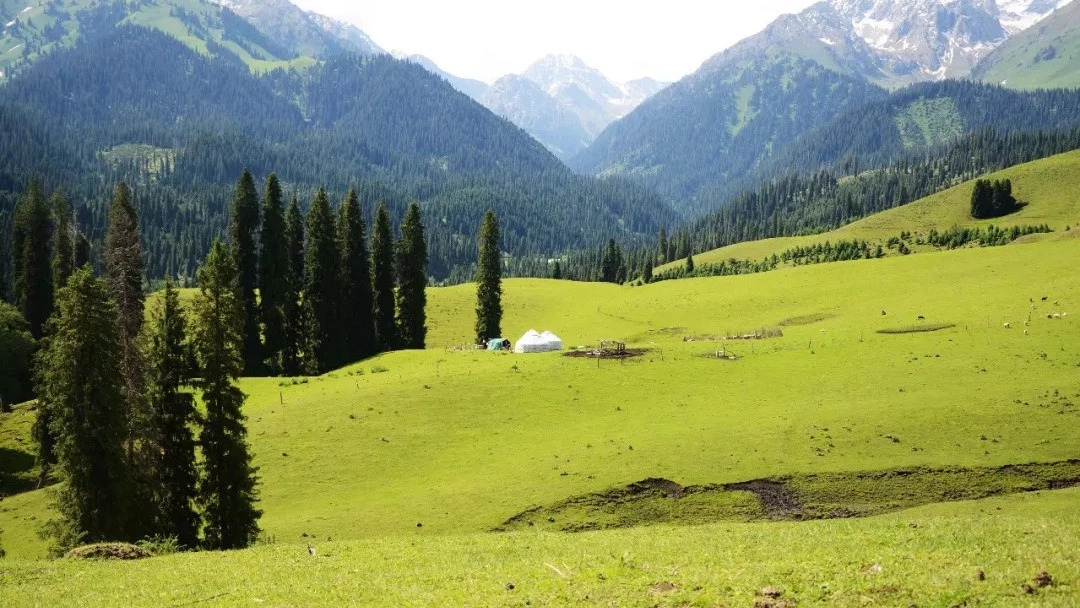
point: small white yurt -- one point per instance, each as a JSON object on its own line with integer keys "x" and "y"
{"x": 531, "y": 342}
{"x": 554, "y": 342}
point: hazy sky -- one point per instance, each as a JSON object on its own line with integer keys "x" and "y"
{"x": 626, "y": 39}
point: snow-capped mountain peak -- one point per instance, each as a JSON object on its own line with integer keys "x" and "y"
{"x": 897, "y": 42}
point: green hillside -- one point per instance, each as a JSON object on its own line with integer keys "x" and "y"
{"x": 925, "y": 557}
{"x": 35, "y": 28}
{"x": 1045, "y": 56}
{"x": 1050, "y": 187}
{"x": 461, "y": 441}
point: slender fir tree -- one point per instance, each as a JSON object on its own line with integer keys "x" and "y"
{"x": 124, "y": 265}
{"x": 647, "y": 269}
{"x": 227, "y": 491}
{"x": 690, "y": 263}
{"x": 382, "y": 279}
{"x": 412, "y": 262}
{"x": 81, "y": 255}
{"x": 81, "y": 383}
{"x": 321, "y": 287}
{"x": 273, "y": 275}
{"x": 488, "y": 281}
{"x": 33, "y": 268}
{"x": 292, "y": 311}
{"x": 556, "y": 272}
{"x": 172, "y": 413}
{"x": 243, "y": 228}
{"x": 358, "y": 326}
{"x": 63, "y": 249}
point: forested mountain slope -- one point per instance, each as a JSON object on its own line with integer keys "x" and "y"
{"x": 136, "y": 104}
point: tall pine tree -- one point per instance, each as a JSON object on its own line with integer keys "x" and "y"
{"x": 273, "y": 275}
{"x": 292, "y": 311}
{"x": 382, "y": 279}
{"x": 81, "y": 383}
{"x": 33, "y": 268}
{"x": 63, "y": 249}
{"x": 172, "y": 413}
{"x": 227, "y": 491}
{"x": 358, "y": 326}
{"x": 243, "y": 227}
{"x": 412, "y": 262}
{"x": 124, "y": 266}
{"x": 321, "y": 287}
{"x": 488, "y": 281}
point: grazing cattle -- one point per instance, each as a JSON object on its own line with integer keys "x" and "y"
{"x": 922, "y": 318}
{"x": 1045, "y": 298}
{"x": 1008, "y": 325}
{"x": 883, "y": 313}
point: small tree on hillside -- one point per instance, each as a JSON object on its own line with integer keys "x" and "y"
{"x": 227, "y": 492}
{"x": 322, "y": 280}
{"x": 412, "y": 261}
{"x": 489, "y": 281}
{"x": 358, "y": 326}
{"x": 81, "y": 385}
{"x": 273, "y": 275}
{"x": 292, "y": 311}
{"x": 172, "y": 412}
{"x": 243, "y": 229}
{"x": 382, "y": 279}
{"x": 690, "y": 263}
{"x": 33, "y": 268}
{"x": 63, "y": 250}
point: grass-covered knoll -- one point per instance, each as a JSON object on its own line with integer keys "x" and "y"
{"x": 1045, "y": 56}
{"x": 461, "y": 441}
{"x": 1049, "y": 187}
{"x": 930, "y": 556}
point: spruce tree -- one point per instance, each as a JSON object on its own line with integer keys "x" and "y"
{"x": 292, "y": 311}
{"x": 662, "y": 247}
{"x": 81, "y": 383}
{"x": 243, "y": 226}
{"x": 556, "y": 272}
{"x": 412, "y": 261}
{"x": 358, "y": 326}
{"x": 124, "y": 266}
{"x": 172, "y": 412}
{"x": 33, "y": 268}
{"x": 382, "y": 280}
{"x": 81, "y": 255}
{"x": 227, "y": 490}
{"x": 63, "y": 250}
{"x": 16, "y": 350}
{"x": 321, "y": 280}
{"x": 273, "y": 275}
{"x": 488, "y": 281}
{"x": 647, "y": 270}
{"x": 690, "y": 263}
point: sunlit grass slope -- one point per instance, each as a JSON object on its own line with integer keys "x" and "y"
{"x": 931, "y": 556}
{"x": 460, "y": 441}
{"x": 1050, "y": 187}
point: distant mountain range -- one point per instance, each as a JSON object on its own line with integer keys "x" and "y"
{"x": 732, "y": 122}
{"x": 560, "y": 100}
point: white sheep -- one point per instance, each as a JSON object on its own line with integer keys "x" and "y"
{"x": 1008, "y": 326}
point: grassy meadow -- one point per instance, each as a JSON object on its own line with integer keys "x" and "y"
{"x": 399, "y": 468}
{"x": 1050, "y": 187}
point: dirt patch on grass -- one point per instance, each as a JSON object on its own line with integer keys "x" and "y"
{"x": 118, "y": 551}
{"x": 916, "y": 329}
{"x": 806, "y": 319}
{"x": 595, "y": 353}
{"x": 796, "y": 497}
{"x": 777, "y": 498}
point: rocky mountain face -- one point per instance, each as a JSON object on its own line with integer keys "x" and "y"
{"x": 307, "y": 33}
{"x": 898, "y": 42}
{"x": 560, "y": 100}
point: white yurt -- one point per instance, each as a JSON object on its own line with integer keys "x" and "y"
{"x": 531, "y": 342}
{"x": 554, "y": 342}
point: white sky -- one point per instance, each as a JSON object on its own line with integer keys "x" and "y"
{"x": 485, "y": 39}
